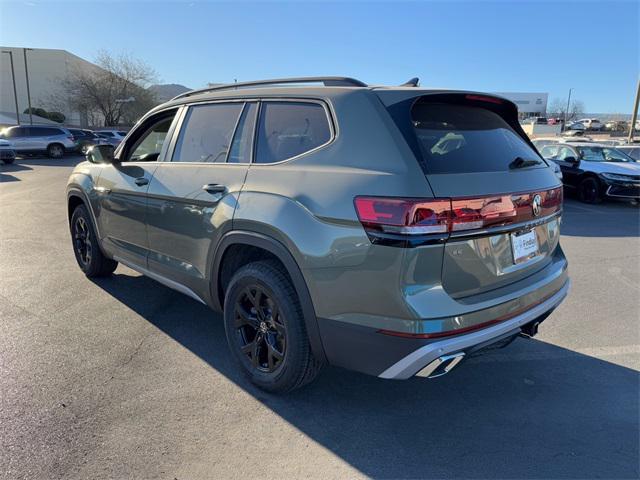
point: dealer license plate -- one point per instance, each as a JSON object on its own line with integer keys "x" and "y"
{"x": 524, "y": 246}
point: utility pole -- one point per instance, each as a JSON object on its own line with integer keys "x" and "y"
{"x": 566, "y": 112}
{"x": 13, "y": 77}
{"x": 634, "y": 115}
{"x": 26, "y": 72}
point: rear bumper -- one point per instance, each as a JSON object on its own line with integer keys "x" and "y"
{"x": 367, "y": 350}
{"x": 417, "y": 360}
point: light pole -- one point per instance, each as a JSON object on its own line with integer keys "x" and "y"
{"x": 566, "y": 112}
{"x": 26, "y": 73}
{"x": 15, "y": 92}
{"x": 634, "y": 115}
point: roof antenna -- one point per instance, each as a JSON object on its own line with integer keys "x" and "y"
{"x": 411, "y": 83}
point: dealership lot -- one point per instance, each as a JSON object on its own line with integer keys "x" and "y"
{"x": 124, "y": 378}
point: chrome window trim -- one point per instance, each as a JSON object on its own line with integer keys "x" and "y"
{"x": 330, "y": 122}
{"x": 326, "y": 105}
{"x": 185, "y": 110}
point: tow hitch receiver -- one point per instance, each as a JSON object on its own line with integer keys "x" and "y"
{"x": 530, "y": 330}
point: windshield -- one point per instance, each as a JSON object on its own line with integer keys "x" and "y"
{"x": 602, "y": 154}
{"x": 465, "y": 139}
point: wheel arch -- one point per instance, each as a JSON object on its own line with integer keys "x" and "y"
{"x": 76, "y": 196}
{"x": 275, "y": 249}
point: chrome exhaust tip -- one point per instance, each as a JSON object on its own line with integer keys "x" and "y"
{"x": 441, "y": 365}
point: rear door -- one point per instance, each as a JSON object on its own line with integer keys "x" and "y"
{"x": 505, "y": 198}
{"x": 193, "y": 195}
{"x": 122, "y": 187}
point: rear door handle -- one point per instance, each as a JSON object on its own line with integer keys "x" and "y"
{"x": 141, "y": 181}
{"x": 214, "y": 188}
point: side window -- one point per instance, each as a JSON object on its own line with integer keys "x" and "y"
{"x": 206, "y": 133}
{"x": 550, "y": 151}
{"x": 287, "y": 129}
{"x": 148, "y": 145}
{"x": 243, "y": 139}
{"x": 16, "y": 132}
{"x": 565, "y": 152}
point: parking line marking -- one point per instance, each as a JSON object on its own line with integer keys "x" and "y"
{"x": 560, "y": 354}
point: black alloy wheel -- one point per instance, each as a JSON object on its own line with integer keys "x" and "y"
{"x": 590, "y": 191}
{"x": 82, "y": 240}
{"x": 260, "y": 329}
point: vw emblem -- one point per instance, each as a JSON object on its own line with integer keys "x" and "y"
{"x": 536, "y": 205}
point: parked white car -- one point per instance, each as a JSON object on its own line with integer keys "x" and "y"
{"x": 591, "y": 123}
{"x": 579, "y": 126}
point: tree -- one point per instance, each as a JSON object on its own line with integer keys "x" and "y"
{"x": 113, "y": 94}
{"x": 41, "y": 112}
{"x": 558, "y": 107}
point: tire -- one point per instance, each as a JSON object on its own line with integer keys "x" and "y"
{"x": 589, "y": 191}
{"x": 272, "y": 350}
{"x": 55, "y": 150}
{"x": 8, "y": 161}
{"x": 88, "y": 254}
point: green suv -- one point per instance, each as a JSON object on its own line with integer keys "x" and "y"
{"x": 395, "y": 231}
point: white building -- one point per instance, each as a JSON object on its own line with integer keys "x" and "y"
{"x": 529, "y": 104}
{"x": 48, "y": 70}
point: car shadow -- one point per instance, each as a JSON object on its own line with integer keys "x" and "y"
{"x": 13, "y": 167}
{"x": 8, "y": 178}
{"x": 533, "y": 410}
{"x": 67, "y": 161}
{"x": 607, "y": 219}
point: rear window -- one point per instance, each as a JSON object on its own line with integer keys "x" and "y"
{"x": 465, "y": 139}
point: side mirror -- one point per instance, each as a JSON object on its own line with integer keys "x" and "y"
{"x": 101, "y": 154}
{"x": 573, "y": 160}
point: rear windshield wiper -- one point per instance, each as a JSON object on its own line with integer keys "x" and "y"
{"x": 520, "y": 162}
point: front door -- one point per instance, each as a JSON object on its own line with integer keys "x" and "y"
{"x": 122, "y": 190}
{"x": 193, "y": 194}
{"x": 571, "y": 171}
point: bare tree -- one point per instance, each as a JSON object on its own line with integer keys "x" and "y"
{"x": 558, "y": 107}
{"x": 113, "y": 94}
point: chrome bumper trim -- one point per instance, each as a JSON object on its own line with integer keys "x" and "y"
{"x": 417, "y": 360}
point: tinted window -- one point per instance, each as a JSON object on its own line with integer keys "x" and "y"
{"x": 148, "y": 146}
{"x": 44, "y": 132}
{"x": 206, "y": 133}
{"x": 243, "y": 139}
{"x": 602, "y": 154}
{"x": 122, "y": 134}
{"x": 105, "y": 134}
{"x": 288, "y": 129}
{"x": 464, "y": 139}
{"x": 16, "y": 132}
{"x": 77, "y": 133}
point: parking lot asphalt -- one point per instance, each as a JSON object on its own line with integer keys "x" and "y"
{"x": 124, "y": 378}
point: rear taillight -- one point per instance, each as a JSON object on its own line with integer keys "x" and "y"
{"x": 404, "y": 216}
{"x": 409, "y": 216}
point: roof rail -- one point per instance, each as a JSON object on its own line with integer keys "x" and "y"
{"x": 326, "y": 81}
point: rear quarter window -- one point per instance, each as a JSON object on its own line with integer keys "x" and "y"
{"x": 289, "y": 129}
{"x": 467, "y": 139}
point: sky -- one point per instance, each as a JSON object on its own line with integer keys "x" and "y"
{"x": 592, "y": 47}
